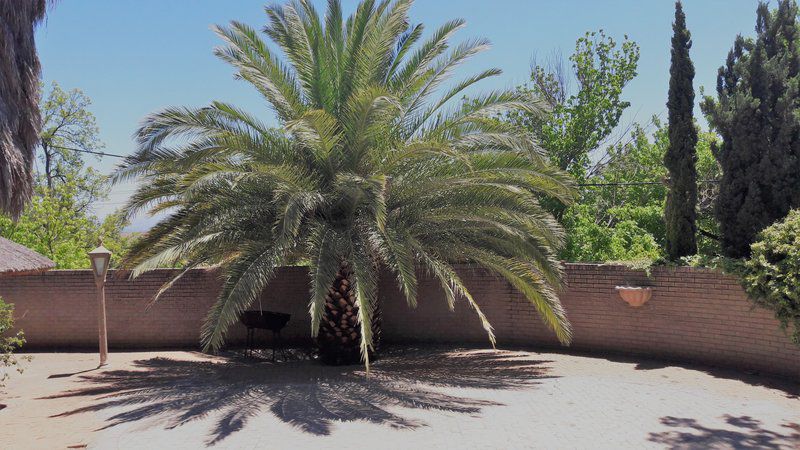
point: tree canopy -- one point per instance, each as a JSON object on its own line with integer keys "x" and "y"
{"x": 757, "y": 114}
{"x": 582, "y": 119}
{"x": 59, "y": 221}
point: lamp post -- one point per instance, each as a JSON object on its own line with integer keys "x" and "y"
{"x": 100, "y": 258}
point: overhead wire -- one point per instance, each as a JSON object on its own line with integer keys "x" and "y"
{"x": 628, "y": 183}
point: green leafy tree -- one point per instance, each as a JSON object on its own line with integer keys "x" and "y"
{"x": 68, "y": 127}
{"x": 580, "y": 125}
{"x": 583, "y": 119}
{"x": 54, "y": 225}
{"x": 617, "y": 219}
{"x": 51, "y": 226}
{"x": 680, "y": 210}
{"x": 59, "y": 222}
{"x": 758, "y": 116}
{"x": 367, "y": 171}
{"x": 624, "y": 203}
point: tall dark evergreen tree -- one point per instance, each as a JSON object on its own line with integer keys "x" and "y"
{"x": 757, "y": 114}
{"x": 681, "y": 156}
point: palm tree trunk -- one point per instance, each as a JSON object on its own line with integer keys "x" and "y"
{"x": 339, "y": 337}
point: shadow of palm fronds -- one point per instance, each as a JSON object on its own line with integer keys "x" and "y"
{"x": 304, "y": 393}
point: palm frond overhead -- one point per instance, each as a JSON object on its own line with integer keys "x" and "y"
{"x": 372, "y": 169}
{"x": 20, "y": 122}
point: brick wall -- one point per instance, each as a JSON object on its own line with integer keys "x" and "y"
{"x": 694, "y": 315}
{"x": 58, "y": 309}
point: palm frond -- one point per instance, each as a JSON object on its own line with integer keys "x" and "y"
{"x": 245, "y": 279}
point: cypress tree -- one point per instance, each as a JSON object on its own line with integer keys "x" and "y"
{"x": 681, "y": 156}
{"x": 757, "y": 114}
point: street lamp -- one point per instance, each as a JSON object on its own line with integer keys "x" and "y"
{"x": 100, "y": 258}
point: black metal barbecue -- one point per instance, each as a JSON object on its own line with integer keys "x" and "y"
{"x": 265, "y": 320}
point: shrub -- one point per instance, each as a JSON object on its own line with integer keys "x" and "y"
{"x": 8, "y": 343}
{"x": 772, "y": 274}
{"x": 626, "y": 240}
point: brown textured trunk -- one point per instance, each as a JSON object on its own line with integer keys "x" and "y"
{"x": 339, "y": 337}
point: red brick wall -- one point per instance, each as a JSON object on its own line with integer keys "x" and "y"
{"x": 694, "y": 314}
{"x": 59, "y": 309}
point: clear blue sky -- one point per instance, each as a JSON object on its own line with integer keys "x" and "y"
{"x": 135, "y": 57}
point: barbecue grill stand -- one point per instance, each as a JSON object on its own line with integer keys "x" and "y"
{"x": 265, "y": 320}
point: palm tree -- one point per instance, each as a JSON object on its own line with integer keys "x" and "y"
{"x": 19, "y": 101}
{"x": 367, "y": 173}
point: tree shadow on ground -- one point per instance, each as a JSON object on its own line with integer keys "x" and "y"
{"x": 304, "y": 393}
{"x": 789, "y": 387}
{"x": 744, "y": 433}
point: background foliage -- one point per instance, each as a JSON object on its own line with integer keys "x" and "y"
{"x": 757, "y": 114}
{"x": 581, "y": 119}
{"x": 618, "y": 221}
{"x": 772, "y": 274}
{"x": 8, "y": 344}
{"x": 59, "y": 222}
{"x": 616, "y": 218}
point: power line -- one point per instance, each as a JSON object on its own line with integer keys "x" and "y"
{"x": 630, "y": 183}
{"x": 89, "y": 151}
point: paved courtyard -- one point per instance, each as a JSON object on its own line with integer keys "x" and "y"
{"x": 414, "y": 398}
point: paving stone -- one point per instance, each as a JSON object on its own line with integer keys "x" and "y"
{"x": 413, "y": 398}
